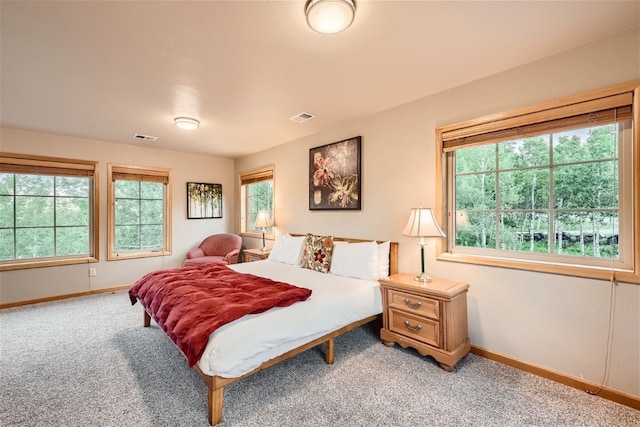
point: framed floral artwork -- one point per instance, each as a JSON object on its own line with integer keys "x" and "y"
{"x": 335, "y": 176}
{"x": 204, "y": 200}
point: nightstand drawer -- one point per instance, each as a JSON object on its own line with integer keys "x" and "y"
{"x": 252, "y": 257}
{"x": 420, "y": 306}
{"x": 418, "y": 328}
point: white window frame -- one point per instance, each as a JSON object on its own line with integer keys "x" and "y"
{"x": 138, "y": 173}
{"x": 530, "y": 120}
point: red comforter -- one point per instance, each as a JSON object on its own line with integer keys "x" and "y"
{"x": 190, "y": 303}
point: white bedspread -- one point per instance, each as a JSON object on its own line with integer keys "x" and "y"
{"x": 244, "y": 344}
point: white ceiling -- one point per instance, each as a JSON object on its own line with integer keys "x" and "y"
{"x": 107, "y": 70}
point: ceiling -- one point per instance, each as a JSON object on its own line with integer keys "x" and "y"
{"x": 106, "y": 70}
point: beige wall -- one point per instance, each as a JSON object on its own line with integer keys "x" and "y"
{"x": 20, "y": 285}
{"x": 557, "y": 322}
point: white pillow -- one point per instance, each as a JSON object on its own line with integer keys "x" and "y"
{"x": 357, "y": 260}
{"x": 286, "y": 249}
{"x": 383, "y": 259}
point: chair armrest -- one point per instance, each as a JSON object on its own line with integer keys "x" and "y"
{"x": 195, "y": 253}
{"x": 232, "y": 257}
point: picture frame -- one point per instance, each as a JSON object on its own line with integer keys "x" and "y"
{"x": 335, "y": 176}
{"x": 204, "y": 200}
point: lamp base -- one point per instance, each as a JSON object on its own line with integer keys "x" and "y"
{"x": 264, "y": 249}
{"x": 422, "y": 277}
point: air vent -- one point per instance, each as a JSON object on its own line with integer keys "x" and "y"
{"x": 145, "y": 137}
{"x": 302, "y": 117}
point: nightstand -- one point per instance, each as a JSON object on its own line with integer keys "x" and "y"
{"x": 249, "y": 255}
{"x": 430, "y": 317}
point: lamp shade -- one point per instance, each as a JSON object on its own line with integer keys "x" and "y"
{"x": 263, "y": 220}
{"x": 330, "y": 16}
{"x": 422, "y": 223}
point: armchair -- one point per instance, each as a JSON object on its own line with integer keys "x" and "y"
{"x": 217, "y": 248}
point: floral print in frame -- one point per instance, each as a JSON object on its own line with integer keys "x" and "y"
{"x": 334, "y": 176}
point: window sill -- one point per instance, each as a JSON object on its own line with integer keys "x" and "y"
{"x": 134, "y": 255}
{"x": 49, "y": 263}
{"x": 545, "y": 267}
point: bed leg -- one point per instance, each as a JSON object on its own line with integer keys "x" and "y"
{"x": 215, "y": 405}
{"x": 147, "y": 319}
{"x": 329, "y": 352}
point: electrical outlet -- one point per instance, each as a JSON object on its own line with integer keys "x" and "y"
{"x": 92, "y": 272}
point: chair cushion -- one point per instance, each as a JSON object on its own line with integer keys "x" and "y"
{"x": 195, "y": 253}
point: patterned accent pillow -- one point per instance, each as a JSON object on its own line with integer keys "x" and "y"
{"x": 316, "y": 253}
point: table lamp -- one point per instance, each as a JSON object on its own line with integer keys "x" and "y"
{"x": 422, "y": 224}
{"x": 263, "y": 221}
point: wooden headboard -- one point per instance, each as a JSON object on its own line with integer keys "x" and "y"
{"x": 393, "y": 249}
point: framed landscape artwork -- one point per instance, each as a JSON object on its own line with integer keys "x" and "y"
{"x": 335, "y": 176}
{"x": 204, "y": 200}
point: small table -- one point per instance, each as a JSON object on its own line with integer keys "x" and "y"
{"x": 256, "y": 254}
{"x": 430, "y": 317}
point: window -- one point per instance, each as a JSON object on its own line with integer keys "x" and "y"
{"x": 548, "y": 188}
{"x": 256, "y": 193}
{"x": 48, "y": 211}
{"x": 139, "y": 212}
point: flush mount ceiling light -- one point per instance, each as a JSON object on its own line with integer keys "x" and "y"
{"x": 186, "y": 123}
{"x": 330, "y": 16}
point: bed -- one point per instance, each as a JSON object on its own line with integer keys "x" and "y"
{"x": 347, "y": 296}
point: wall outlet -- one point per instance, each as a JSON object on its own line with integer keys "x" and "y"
{"x": 92, "y": 272}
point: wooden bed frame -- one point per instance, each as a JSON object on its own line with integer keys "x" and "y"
{"x": 216, "y": 384}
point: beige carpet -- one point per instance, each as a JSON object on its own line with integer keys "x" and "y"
{"x": 89, "y": 362}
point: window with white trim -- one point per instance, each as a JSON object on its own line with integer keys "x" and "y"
{"x": 139, "y": 213}
{"x": 48, "y": 211}
{"x": 548, "y": 188}
{"x": 256, "y": 194}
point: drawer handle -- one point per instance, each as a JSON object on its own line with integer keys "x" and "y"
{"x": 410, "y": 305}
{"x": 412, "y": 328}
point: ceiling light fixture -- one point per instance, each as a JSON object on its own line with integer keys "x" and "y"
{"x": 330, "y": 16}
{"x": 186, "y": 123}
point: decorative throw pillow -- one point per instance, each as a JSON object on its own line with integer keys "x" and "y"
{"x": 357, "y": 260}
{"x": 286, "y": 249}
{"x": 317, "y": 252}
